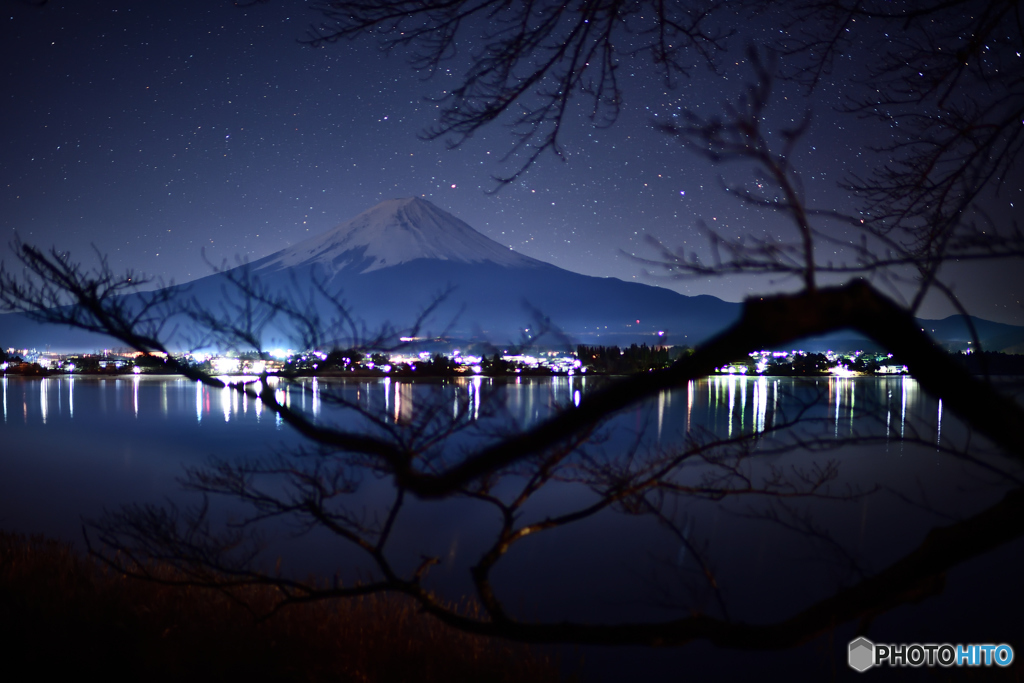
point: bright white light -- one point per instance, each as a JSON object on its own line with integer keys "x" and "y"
{"x": 225, "y": 366}
{"x": 137, "y": 370}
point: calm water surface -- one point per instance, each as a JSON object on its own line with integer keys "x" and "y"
{"x": 72, "y": 447}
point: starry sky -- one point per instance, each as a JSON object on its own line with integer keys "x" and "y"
{"x": 164, "y": 134}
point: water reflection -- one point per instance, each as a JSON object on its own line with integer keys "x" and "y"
{"x": 730, "y": 405}
{"x": 123, "y": 448}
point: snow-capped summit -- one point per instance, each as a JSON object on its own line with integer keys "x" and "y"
{"x": 393, "y": 232}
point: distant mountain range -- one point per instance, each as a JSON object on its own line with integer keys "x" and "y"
{"x": 389, "y": 263}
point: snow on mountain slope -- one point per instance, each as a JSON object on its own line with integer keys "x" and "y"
{"x": 393, "y": 232}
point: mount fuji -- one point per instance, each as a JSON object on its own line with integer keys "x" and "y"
{"x": 391, "y": 262}
{"x": 394, "y": 259}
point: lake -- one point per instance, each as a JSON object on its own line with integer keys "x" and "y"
{"x": 74, "y": 446}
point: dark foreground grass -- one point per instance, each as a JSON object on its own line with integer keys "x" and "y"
{"x": 64, "y": 613}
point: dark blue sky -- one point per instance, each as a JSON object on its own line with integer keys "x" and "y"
{"x": 156, "y": 130}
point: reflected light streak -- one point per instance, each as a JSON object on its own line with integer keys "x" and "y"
{"x": 474, "y": 396}
{"x": 689, "y": 404}
{"x": 661, "y": 409}
{"x": 903, "y": 407}
{"x": 135, "y": 394}
{"x": 199, "y": 401}
{"x": 713, "y": 396}
{"x": 42, "y": 397}
{"x": 757, "y": 405}
{"x": 838, "y": 401}
{"x": 257, "y": 404}
{"x": 888, "y": 417}
{"x": 775, "y": 403}
{"x": 743, "y": 403}
{"x": 316, "y": 397}
{"x": 853, "y": 405}
{"x": 732, "y": 401}
{"x": 760, "y": 403}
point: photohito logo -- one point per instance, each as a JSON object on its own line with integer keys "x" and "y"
{"x": 863, "y": 654}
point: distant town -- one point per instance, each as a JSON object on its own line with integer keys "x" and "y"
{"x": 598, "y": 360}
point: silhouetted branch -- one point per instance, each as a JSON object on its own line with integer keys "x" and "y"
{"x": 532, "y": 58}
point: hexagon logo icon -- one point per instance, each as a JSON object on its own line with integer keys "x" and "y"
{"x": 861, "y": 654}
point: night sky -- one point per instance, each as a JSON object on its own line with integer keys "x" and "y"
{"x": 155, "y": 131}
